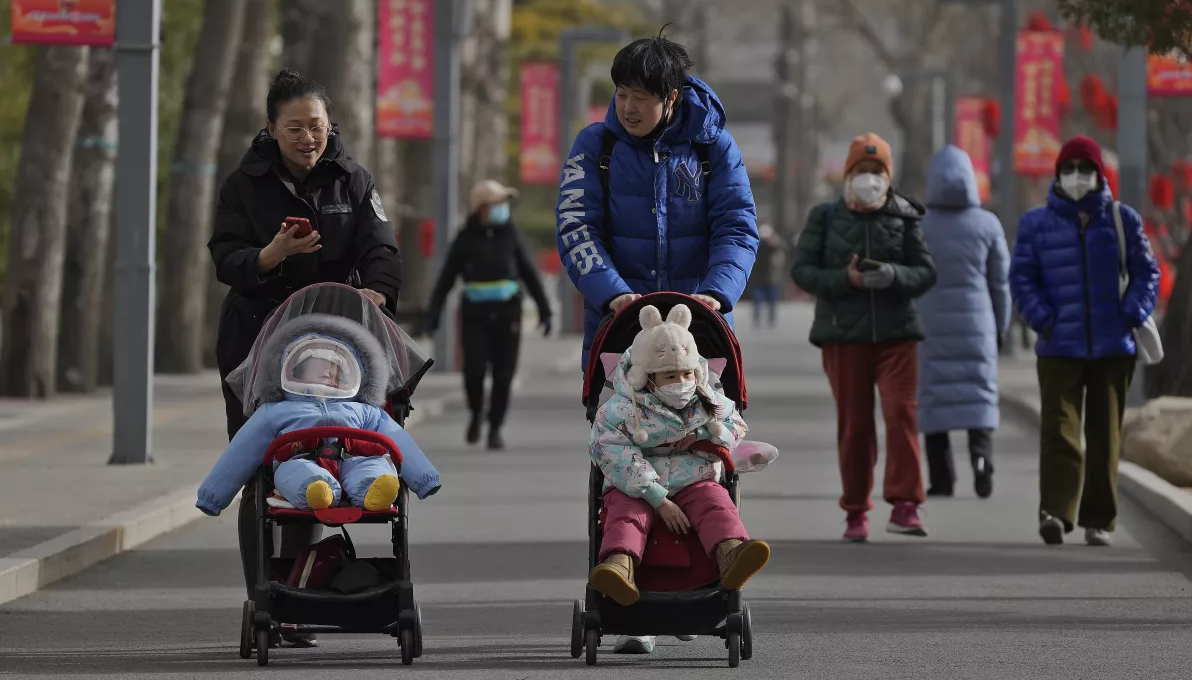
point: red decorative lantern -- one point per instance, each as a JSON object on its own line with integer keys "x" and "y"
{"x": 1037, "y": 21}
{"x": 1086, "y": 38}
{"x": 426, "y": 237}
{"x": 992, "y": 118}
{"x": 1065, "y": 101}
{"x": 1093, "y": 94}
{"x": 1106, "y": 116}
{"x": 1181, "y": 170}
{"x": 1186, "y": 209}
{"x": 1162, "y": 193}
{"x": 1111, "y": 179}
{"x": 1149, "y": 228}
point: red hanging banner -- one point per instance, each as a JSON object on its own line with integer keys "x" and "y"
{"x": 1168, "y": 76}
{"x": 1037, "y": 120}
{"x": 405, "y": 69}
{"x": 64, "y": 22}
{"x": 539, "y": 123}
{"x": 972, "y": 138}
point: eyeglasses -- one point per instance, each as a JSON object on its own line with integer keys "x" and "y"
{"x": 297, "y": 134}
{"x": 1082, "y": 166}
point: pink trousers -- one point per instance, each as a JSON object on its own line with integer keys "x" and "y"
{"x": 707, "y": 505}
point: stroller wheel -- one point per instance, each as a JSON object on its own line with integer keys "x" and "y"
{"x": 593, "y": 640}
{"x": 262, "y": 646}
{"x": 577, "y": 629}
{"x": 746, "y": 634}
{"x": 417, "y": 630}
{"x": 734, "y": 650}
{"x": 407, "y": 646}
{"x": 246, "y": 629}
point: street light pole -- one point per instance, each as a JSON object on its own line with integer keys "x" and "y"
{"x": 137, "y": 59}
{"x": 451, "y": 21}
{"x": 570, "y": 317}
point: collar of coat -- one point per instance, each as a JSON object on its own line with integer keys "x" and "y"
{"x": 264, "y": 154}
{"x": 1093, "y": 203}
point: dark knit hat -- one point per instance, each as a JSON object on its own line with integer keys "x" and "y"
{"x": 1080, "y": 148}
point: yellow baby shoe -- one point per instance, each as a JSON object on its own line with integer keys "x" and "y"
{"x": 381, "y": 493}
{"x": 319, "y": 495}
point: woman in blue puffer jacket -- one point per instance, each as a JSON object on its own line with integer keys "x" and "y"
{"x": 674, "y": 211}
{"x": 1065, "y": 278}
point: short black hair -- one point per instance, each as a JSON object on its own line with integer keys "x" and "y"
{"x": 657, "y": 65}
{"x": 289, "y": 85}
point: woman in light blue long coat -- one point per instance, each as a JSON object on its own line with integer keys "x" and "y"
{"x": 965, "y": 317}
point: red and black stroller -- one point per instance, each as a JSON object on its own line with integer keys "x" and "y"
{"x": 387, "y": 606}
{"x": 679, "y": 583}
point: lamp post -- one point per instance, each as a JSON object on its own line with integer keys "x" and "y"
{"x": 452, "y": 22}
{"x": 570, "y": 39}
{"x": 943, "y": 100}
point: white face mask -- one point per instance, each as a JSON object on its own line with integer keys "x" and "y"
{"x": 1078, "y": 184}
{"x": 870, "y": 188}
{"x": 676, "y": 395}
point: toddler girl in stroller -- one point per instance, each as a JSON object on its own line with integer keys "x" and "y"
{"x": 330, "y": 371}
{"x": 659, "y": 442}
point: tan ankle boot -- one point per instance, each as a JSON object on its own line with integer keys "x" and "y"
{"x": 614, "y": 578}
{"x": 739, "y": 561}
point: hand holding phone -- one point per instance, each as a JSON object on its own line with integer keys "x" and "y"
{"x": 868, "y": 265}
{"x": 298, "y": 227}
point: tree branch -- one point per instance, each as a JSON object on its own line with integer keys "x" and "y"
{"x": 852, "y": 18}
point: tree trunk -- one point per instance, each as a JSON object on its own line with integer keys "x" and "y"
{"x": 334, "y": 43}
{"x": 107, "y": 317}
{"x": 88, "y": 228}
{"x": 1173, "y": 376}
{"x": 186, "y": 265}
{"x": 32, "y": 290}
{"x": 243, "y": 119}
{"x": 417, "y": 192}
{"x": 911, "y": 110}
{"x": 484, "y": 88}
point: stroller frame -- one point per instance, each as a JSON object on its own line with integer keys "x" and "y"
{"x": 709, "y": 610}
{"x": 389, "y": 609}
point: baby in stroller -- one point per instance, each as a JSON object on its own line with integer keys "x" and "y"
{"x": 659, "y": 442}
{"x": 330, "y": 371}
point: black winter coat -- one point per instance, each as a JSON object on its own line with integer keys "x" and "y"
{"x": 342, "y": 204}
{"x": 482, "y": 252}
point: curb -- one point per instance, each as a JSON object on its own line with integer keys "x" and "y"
{"x": 1169, "y": 504}
{"x": 26, "y": 571}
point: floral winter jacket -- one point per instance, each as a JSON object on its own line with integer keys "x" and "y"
{"x": 664, "y": 465}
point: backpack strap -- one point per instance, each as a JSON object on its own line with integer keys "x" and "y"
{"x": 829, "y": 218}
{"x": 701, "y": 152}
{"x": 607, "y": 142}
{"x": 1123, "y": 273}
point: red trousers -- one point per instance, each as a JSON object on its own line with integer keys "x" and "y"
{"x": 853, "y": 371}
{"x": 707, "y": 505}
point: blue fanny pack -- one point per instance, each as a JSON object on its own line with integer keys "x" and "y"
{"x": 491, "y": 291}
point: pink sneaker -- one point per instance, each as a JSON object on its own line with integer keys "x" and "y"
{"x": 858, "y": 527}
{"x": 905, "y": 520}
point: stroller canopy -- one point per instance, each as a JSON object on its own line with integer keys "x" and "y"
{"x": 255, "y": 381}
{"x": 713, "y": 337}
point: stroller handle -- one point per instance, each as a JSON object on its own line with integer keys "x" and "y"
{"x": 327, "y": 432}
{"x": 638, "y": 303}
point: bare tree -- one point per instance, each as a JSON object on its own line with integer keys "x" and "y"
{"x": 334, "y": 43}
{"x": 186, "y": 265}
{"x": 244, "y": 118}
{"x": 29, "y": 351}
{"x": 484, "y": 89}
{"x": 88, "y": 229}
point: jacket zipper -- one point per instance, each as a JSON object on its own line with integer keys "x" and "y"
{"x": 872, "y": 297}
{"x": 1084, "y": 273}
{"x": 658, "y": 258}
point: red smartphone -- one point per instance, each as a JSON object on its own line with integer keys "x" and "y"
{"x": 299, "y": 226}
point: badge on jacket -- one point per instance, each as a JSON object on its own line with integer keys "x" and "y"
{"x": 687, "y": 181}
{"x": 375, "y": 199}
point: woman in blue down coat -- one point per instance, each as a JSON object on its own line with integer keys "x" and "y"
{"x": 964, "y": 317}
{"x": 1065, "y": 281}
{"x": 673, "y": 222}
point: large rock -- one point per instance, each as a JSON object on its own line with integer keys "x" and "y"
{"x": 1158, "y": 437}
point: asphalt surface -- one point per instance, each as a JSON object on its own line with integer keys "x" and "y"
{"x": 499, "y": 555}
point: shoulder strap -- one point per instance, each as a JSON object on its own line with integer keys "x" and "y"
{"x": 829, "y": 218}
{"x": 1123, "y": 273}
{"x": 607, "y": 141}
{"x": 701, "y": 152}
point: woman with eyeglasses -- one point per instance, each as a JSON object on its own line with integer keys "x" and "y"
{"x": 297, "y": 167}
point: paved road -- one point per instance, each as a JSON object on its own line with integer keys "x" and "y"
{"x": 500, "y": 554}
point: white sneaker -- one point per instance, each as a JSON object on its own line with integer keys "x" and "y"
{"x": 1097, "y": 537}
{"x": 634, "y": 644}
{"x": 685, "y": 638}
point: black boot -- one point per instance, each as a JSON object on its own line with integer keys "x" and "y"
{"x": 495, "y": 441}
{"x": 980, "y": 448}
{"x": 474, "y": 429}
{"x": 940, "y": 475}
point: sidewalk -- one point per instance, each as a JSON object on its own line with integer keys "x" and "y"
{"x": 63, "y": 508}
{"x": 1170, "y": 504}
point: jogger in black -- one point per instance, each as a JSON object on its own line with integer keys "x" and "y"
{"x": 492, "y": 259}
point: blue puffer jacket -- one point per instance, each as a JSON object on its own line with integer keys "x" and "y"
{"x": 1065, "y": 280}
{"x": 667, "y": 231}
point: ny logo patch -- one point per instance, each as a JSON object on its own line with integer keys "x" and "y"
{"x": 687, "y": 179}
